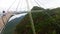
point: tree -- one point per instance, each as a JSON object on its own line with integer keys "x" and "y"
{"x": 37, "y": 8}
{"x": 45, "y": 22}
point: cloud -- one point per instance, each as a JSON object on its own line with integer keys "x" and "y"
{"x": 5, "y": 4}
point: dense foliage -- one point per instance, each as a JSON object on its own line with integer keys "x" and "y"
{"x": 45, "y": 22}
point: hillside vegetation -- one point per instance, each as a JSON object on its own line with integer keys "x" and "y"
{"x": 45, "y": 22}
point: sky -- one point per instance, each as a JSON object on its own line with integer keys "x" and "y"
{"x": 5, "y": 4}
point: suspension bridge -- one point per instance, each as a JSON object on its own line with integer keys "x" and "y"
{"x": 5, "y": 17}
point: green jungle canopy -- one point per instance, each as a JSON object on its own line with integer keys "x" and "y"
{"x": 45, "y": 22}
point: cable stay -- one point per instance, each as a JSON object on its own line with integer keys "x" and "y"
{"x": 17, "y": 5}
{"x": 37, "y": 3}
{"x": 11, "y": 5}
{"x": 31, "y": 19}
{"x": 41, "y": 3}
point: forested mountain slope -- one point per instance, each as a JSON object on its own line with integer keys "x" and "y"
{"x": 45, "y": 22}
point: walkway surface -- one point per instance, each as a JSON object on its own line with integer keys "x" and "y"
{"x": 5, "y": 19}
{"x": 13, "y": 22}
